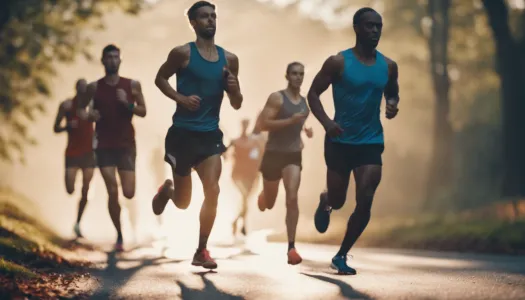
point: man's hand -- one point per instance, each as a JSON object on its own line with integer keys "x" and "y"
{"x": 122, "y": 96}
{"x": 192, "y": 102}
{"x": 309, "y": 132}
{"x": 391, "y": 109}
{"x": 333, "y": 129}
{"x": 94, "y": 115}
{"x": 232, "y": 84}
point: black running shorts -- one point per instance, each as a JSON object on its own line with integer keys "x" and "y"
{"x": 185, "y": 149}
{"x": 343, "y": 158}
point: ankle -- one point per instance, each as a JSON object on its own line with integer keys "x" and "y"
{"x": 291, "y": 245}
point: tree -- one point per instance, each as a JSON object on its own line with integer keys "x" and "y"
{"x": 510, "y": 65}
{"x": 438, "y": 44}
{"x": 34, "y": 35}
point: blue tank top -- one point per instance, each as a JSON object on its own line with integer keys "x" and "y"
{"x": 357, "y": 100}
{"x": 206, "y": 80}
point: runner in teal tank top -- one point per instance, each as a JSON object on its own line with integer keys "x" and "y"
{"x": 354, "y": 140}
{"x": 204, "y": 72}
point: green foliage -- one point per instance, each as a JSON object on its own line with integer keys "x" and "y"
{"x": 34, "y": 35}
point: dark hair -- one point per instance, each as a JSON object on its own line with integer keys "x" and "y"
{"x": 192, "y": 11}
{"x": 358, "y": 14}
{"x": 109, "y": 48}
{"x": 291, "y": 65}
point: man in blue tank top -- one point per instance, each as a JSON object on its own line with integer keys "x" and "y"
{"x": 204, "y": 72}
{"x": 354, "y": 141}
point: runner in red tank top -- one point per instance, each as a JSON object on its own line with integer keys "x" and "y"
{"x": 115, "y": 99}
{"x": 79, "y": 150}
{"x": 247, "y": 154}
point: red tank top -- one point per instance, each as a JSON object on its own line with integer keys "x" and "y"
{"x": 247, "y": 156}
{"x": 114, "y": 128}
{"x": 79, "y": 139}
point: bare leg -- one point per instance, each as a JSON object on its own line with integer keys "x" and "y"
{"x": 209, "y": 172}
{"x": 268, "y": 195}
{"x": 110, "y": 179}
{"x": 291, "y": 180}
{"x": 70, "y": 177}
{"x": 367, "y": 180}
{"x": 87, "y": 176}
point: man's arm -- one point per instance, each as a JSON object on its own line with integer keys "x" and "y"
{"x": 266, "y": 120}
{"x": 234, "y": 94}
{"x": 84, "y": 100}
{"x": 177, "y": 59}
{"x": 392, "y": 90}
{"x": 60, "y": 115}
{"x": 332, "y": 68}
{"x": 139, "y": 107}
{"x": 392, "y": 87}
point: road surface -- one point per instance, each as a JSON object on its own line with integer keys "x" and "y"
{"x": 258, "y": 270}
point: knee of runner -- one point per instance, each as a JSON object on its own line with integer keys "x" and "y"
{"x": 212, "y": 191}
{"x": 291, "y": 202}
{"x": 113, "y": 191}
{"x": 128, "y": 193}
{"x": 70, "y": 189}
{"x": 337, "y": 200}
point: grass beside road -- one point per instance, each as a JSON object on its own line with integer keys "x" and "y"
{"x": 35, "y": 262}
{"x": 453, "y": 232}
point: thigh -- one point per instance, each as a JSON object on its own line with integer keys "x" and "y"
{"x": 292, "y": 180}
{"x": 367, "y": 178}
{"x": 209, "y": 170}
{"x": 110, "y": 178}
{"x": 70, "y": 177}
{"x": 87, "y": 175}
{"x": 270, "y": 191}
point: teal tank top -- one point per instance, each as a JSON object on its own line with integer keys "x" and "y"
{"x": 206, "y": 80}
{"x": 357, "y": 100}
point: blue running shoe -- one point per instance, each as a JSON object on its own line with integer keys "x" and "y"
{"x": 322, "y": 214}
{"x": 339, "y": 264}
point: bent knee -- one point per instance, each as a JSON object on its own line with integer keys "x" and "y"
{"x": 70, "y": 189}
{"x": 128, "y": 193}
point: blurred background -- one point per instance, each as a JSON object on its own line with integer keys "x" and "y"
{"x": 454, "y": 169}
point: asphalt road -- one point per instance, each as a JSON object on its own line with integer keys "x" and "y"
{"x": 255, "y": 269}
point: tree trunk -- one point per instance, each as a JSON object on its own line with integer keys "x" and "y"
{"x": 441, "y": 160}
{"x": 509, "y": 65}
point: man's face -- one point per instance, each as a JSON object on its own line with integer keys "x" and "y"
{"x": 368, "y": 30}
{"x": 111, "y": 61}
{"x": 205, "y": 23}
{"x": 295, "y": 76}
{"x": 81, "y": 86}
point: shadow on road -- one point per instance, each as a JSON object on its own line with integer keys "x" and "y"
{"x": 346, "y": 290}
{"x": 114, "y": 278}
{"x": 209, "y": 291}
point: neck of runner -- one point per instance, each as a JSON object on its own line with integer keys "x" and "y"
{"x": 294, "y": 92}
{"x": 112, "y": 79}
{"x": 205, "y": 45}
{"x": 364, "y": 52}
